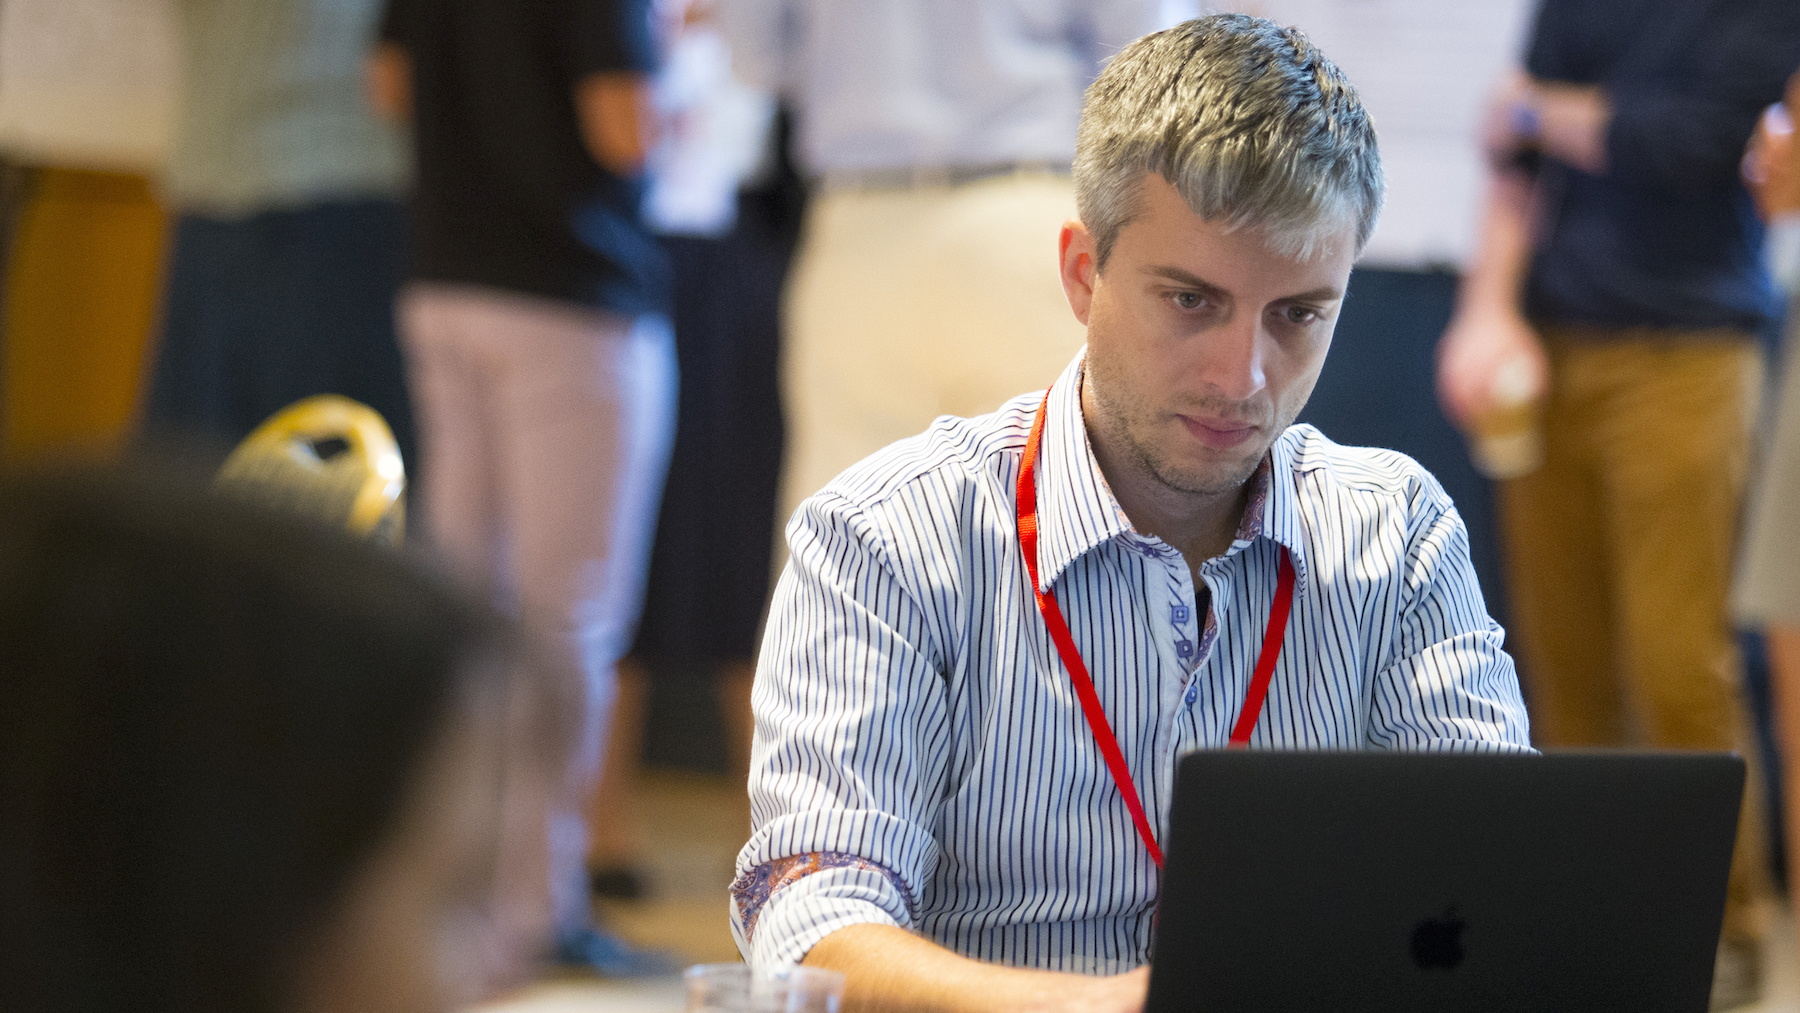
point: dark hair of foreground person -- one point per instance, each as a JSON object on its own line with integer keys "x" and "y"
{"x": 233, "y": 747}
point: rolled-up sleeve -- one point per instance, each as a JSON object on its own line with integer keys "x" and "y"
{"x": 1450, "y": 685}
{"x": 851, "y": 749}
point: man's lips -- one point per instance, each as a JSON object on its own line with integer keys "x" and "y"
{"x": 1219, "y": 434}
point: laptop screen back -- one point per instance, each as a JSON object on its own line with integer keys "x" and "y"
{"x": 1393, "y": 882}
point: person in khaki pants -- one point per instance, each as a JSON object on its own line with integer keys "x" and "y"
{"x": 1620, "y": 545}
{"x": 1618, "y": 278}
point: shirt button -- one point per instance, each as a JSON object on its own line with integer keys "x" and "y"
{"x": 1193, "y": 692}
{"x": 1184, "y": 648}
{"x": 1178, "y": 614}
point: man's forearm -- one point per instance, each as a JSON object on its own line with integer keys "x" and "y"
{"x": 1572, "y": 124}
{"x": 1489, "y": 338}
{"x": 1496, "y": 278}
{"x": 387, "y": 77}
{"x": 890, "y": 970}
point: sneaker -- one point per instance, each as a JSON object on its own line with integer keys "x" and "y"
{"x": 1737, "y": 975}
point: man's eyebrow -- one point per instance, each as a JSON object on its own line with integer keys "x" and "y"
{"x": 1326, "y": 294}
{"x": 1191, "y": 280}
{"x": 1181, "y": 277}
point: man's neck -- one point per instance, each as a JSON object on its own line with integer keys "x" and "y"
{"x": 1199, "y": 525}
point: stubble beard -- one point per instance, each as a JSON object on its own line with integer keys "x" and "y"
{"x": 1128, "y": 421}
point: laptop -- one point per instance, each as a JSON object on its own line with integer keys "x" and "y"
{"x": 1395, "y": 882}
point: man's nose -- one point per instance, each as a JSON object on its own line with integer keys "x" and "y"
{"x": 1232, "y": 363}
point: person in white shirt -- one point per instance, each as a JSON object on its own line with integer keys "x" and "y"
{"x": 938, "y": 134}
{"x": 992, "y": 640}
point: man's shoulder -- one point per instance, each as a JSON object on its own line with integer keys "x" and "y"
{"x": 951, "y": 457}
{"x": 1374, "y": 474}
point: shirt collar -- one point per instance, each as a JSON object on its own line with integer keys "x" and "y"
{"x": 1077, "y": 511}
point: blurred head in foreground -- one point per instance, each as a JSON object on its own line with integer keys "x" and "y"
{"x": 248, "y": 763}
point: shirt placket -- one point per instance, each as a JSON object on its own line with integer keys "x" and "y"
{"x": 1193, "y": 733}
{"x": 1175, "y": 633}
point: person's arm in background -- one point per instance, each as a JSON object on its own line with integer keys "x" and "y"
{"x": 1673, "y": 137}
{"x": 1772, "y": 173}
{"x": 1567, "y": 122}
{"x": 1551, "y": 106}
{"x": 1769, "y": 586}
{"x": 1489, "y": 329}
{"x": 609, "y": 53}
{"x": 618, "y": 121}
{"x": 387, "y": 75}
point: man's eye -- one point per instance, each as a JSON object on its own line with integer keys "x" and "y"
{"x": 1300, "y": 314}
{"x": 1189, "y": 300}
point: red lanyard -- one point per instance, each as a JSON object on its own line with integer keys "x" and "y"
{"x": 1078, "y": 673}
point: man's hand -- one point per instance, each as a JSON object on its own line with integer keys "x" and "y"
{"x": 1119, "y": 993}
{"x": 387, "y": 77}
{"x": 1772, "y": 164}
{"x": 1479, "y": 344}
{"x": 618, "y": 121}
{"x": 890, "y": 970}
{"x": 1489, "y": 331}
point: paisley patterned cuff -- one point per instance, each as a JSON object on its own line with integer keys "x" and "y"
{"x": 750, "y": 891}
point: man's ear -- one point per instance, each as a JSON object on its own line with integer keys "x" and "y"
{"x": 1080, "y": 267}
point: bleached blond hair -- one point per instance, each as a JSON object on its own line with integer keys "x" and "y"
{"x": 1247, "y": 120}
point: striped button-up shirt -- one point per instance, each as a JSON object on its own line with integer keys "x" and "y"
{"x": 921, "y": 756}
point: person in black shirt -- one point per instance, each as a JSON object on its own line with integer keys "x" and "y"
{"x": 1619, "y": 279}
{"x": 537, "y": 347}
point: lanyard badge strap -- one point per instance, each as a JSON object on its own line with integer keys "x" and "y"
{"x": 1078, "y": 673}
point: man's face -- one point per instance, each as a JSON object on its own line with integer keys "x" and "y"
{"x": 1203, "y": 344}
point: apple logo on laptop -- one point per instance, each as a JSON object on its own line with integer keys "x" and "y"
{"x": 1437, "y": 942}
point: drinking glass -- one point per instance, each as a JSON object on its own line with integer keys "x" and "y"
{"x": 736, "y": 988}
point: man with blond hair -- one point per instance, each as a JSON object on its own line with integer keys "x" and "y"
{"x": 993, "y": 640}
